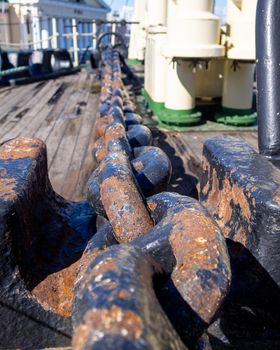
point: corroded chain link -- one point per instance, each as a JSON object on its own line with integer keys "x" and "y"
{"x": 153, "y": 276}
{"x": 169, "y": 238}
{"x": 129, "y": 168}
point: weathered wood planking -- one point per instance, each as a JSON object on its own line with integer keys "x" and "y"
{"x": 62, "y": 113}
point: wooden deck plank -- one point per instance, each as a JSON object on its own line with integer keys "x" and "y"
{"x": 40, "y": 111}
{"x": 60, "y": 167}
{"x": 11, "y": 104}
{"x": 62, "y": 113}
{"x": 57, "y": 133}
{"x": 59, "y": 102}
{"x": 27, "y": 122}
{"x": 68, "y": 128}
{"x": 82, "y": 164}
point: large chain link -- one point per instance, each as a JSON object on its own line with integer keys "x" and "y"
{"x": 166, "y": 236}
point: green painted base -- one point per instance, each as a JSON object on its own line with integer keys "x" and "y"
{"x": 173, "y": 117}
{"x": 156, "y": 107}
{"x": 134, "y": 62}
{"x": 180, "y": 118}
{"x": 208, "y": 126}
{"x": 236, "y": 117}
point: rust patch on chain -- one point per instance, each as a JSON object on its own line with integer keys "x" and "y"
{"x": 123, "y": 204}
{"x": 113, "y": 321}
{"x": 138, "y": 166}
{"x": 117, "y": 131}
{"x": 117, "y": 84}
{"x": 98, "y": 271}
{"x": 100, "y": 150}
{"x": 101, "y": 125}
{"x": 197, "y": 253}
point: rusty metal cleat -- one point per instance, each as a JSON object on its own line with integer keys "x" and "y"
{"x": 41, "y": 238}
{"x": 241, "y": 190}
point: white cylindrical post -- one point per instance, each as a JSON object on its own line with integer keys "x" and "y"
{"x": 238, "y": 86}
{"x": 239, "y": 69}
{"x": 75, "y": 41}
{"x": 94, "y": 35}
{"x": 181, "y": 86}
{"x": 45, "y": 33}
{"x": 55, "y": 34}
{"x": 138, "y": 32}
{"x": 242, "y": 30}
{"x": 155, "y": 68}
{"x": 157, "y": 12}
{"x": 193, "y": 32}
{"x": 114, "y": 29}
{"x": 36, "y": 33}
{"x": 180, "y": 95}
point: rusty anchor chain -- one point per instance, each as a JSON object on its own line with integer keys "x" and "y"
{"x": 167, "y": 236}
{"x": 122, "y": 150}
{"x": 154, "y": 275}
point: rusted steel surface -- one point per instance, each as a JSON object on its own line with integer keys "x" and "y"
{"x": 41, "y": 234}
{"x": 185, "y": 240}
{"x": 121, "y": 199}
{"x": 241, "y": 190}
{"x": 116, "y": 140}
{"x": 132, "y": 119}
{"x": 132, "y": 271}
{"x": 113, "y": 189}
{"x": 191, "y": 248}
{"x": 152, "y": 169}
{"x": 139, "y": 136}
{"x": 117, "y": 307}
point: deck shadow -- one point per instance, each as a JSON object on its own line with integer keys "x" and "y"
{"x": 181, "y": 182}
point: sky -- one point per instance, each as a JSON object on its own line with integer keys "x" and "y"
{"x": 125, "y": 7}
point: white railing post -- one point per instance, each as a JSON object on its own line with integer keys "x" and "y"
{"x": 94, "y": 33}
{"x": 75, "y": 41}
{"x": 55, "y": 34}
{"x": 114, "y": 28}
{"x": 45, "y": 32}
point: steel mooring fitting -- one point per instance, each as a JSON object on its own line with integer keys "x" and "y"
{"x": 41, "y": 235}
{"x": 190, "y": 285}
{"x": 241, "y": 190}
{"x": 116, "y": 307}
{"x": 190, "y": 247}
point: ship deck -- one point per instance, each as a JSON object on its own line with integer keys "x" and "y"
{"x": 62, "y": 113}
